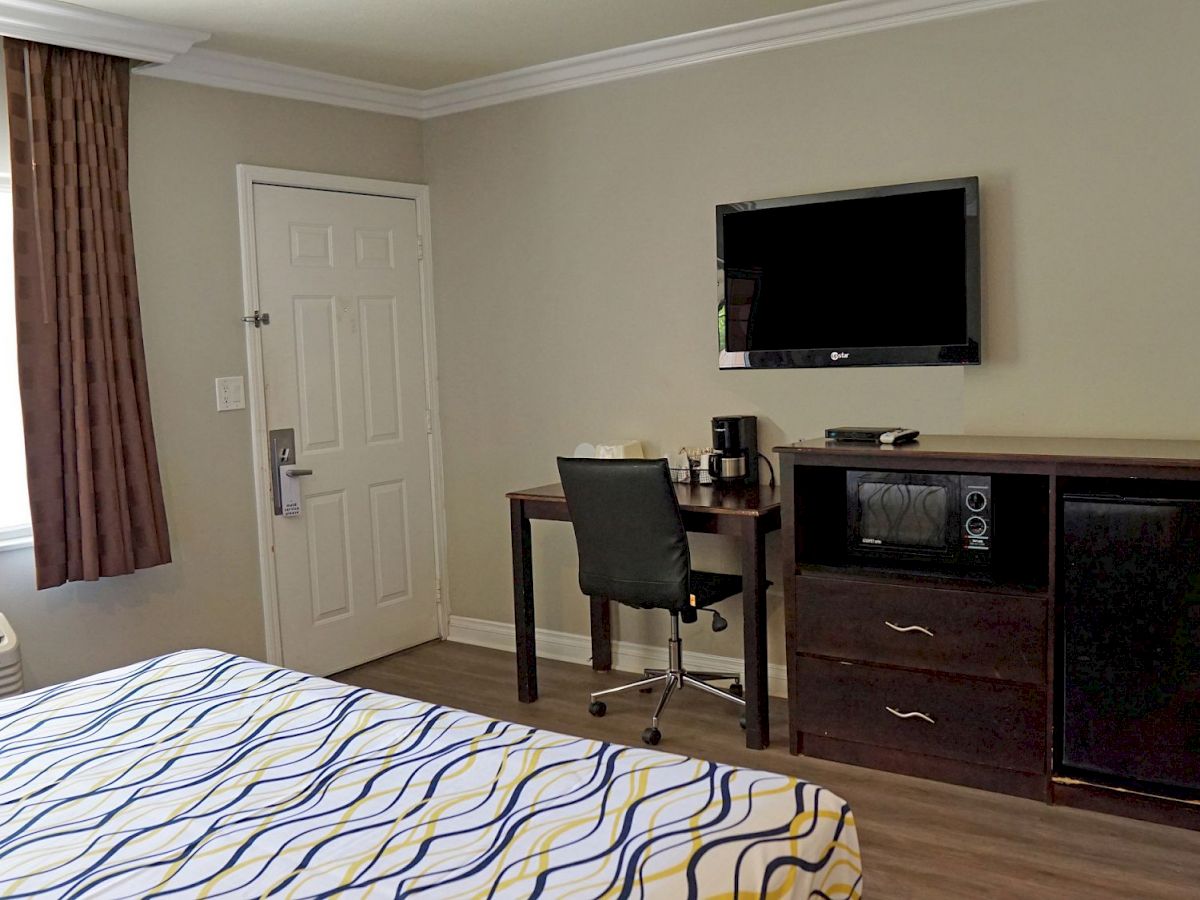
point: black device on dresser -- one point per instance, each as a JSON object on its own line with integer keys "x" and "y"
{"x": 734, "y": 459}
{"x": 920, "y": 517}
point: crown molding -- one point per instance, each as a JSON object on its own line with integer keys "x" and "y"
{"x": 67, "y": 25}
{"x": 255, "y": 76}
{"x": 821, "y": 23}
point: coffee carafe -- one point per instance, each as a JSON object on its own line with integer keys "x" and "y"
{"x": 734, "y": 459}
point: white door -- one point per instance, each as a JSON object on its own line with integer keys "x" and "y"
{"x": 343, "y": 364}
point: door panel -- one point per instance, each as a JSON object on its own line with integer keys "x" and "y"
{"x": 389, "y": 538}
{"x": 381, "y": 368}
{"x": 317, "y": 373}
{"x": 1130, "y": 675}
{"x": 328, "y": 556}
{"x": 344, "y": 365}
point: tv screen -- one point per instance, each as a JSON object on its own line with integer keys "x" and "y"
{"x": 885, "y": 276}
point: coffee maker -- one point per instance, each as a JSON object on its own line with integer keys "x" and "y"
{"x": 734, "y": 459}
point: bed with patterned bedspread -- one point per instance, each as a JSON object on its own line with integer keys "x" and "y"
{"x": 200, "y": 774}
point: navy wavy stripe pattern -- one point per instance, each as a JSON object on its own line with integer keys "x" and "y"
{"x": 204, "y": 774}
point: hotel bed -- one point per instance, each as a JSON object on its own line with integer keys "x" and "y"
{"x": 205, "y": 774}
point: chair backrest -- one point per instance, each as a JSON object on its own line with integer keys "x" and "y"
{"x": 632, "y": 544}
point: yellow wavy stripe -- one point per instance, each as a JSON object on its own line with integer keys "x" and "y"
{"x": 532, "y": 763}
{"x": 347, "y": 783}
{"x": 434, "y": 811}
{"x": 534, "y": 860}
{"x": 222, "y": 843}
{"x": 435, "y": 857}
{"x": 695, "y": 842}
{"x": 784, "y": 788}
{"x": 216, "y": 842}
{"x": 82, "y": 773}
{"x": 92, "y": 801}
{"x": 844, "y": 855}
{"x": 315, "y": 871}
{"x": 615, "y": 812}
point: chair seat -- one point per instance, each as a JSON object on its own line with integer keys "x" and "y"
{"x": 712, "y": 587}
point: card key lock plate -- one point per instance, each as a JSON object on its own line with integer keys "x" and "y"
{"x": 283, "y": 453}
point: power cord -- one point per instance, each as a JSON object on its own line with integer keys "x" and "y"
{"x": 770, "y": 467}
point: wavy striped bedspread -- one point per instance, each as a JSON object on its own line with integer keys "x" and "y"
{"x": 201, "y": 774}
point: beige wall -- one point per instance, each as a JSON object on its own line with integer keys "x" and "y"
{"x": 573, "y": 238}
{"x": 185, "y": 142}
{"x": 575, "y": 275}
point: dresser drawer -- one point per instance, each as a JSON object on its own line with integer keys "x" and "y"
{"x": 963, "y": 632}
{"x": 988, "y": 723}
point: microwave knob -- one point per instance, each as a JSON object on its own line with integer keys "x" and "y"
{"x": 976, "y": 526}
{"x": 976, "y": 501}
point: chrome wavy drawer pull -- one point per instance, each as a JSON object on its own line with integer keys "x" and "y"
{"x": 910, "y": 715}
{"x": 905, "y": 628}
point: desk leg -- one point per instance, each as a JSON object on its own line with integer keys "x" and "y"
{"x": 754, "y": 630}
{"x": 601, "y": 634}
{"x": 522, "y": 554}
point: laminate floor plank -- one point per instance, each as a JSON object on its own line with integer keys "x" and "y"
{"x": 920, "y": 839}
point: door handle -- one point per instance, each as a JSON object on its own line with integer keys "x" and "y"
{"x": 297, "y": 473}
{"x": 906, "y": 628}
{"x": 910, "y": 715}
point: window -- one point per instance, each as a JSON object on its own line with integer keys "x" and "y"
{"x": 14, "y": 496}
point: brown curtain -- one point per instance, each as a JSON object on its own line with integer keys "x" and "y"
{"x": 94, "y": 485}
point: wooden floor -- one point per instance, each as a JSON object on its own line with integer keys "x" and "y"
{"x": 920, "y": 839}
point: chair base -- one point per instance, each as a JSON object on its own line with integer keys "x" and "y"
{"x": 674, "y": 678}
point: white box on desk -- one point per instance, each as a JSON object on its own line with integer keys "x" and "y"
{"x": 620, "y": 450}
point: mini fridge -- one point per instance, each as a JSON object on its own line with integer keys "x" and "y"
{"x": 1129, "y": 670}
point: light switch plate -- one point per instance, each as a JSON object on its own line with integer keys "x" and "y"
{"x": 231, "y": 393}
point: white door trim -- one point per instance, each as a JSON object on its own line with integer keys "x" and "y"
{"x": 247, "y": 177}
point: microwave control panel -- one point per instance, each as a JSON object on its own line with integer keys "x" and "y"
{"x": 977, "y": 512}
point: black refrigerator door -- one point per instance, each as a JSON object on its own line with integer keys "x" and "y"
{"x": 1131, "y": 641}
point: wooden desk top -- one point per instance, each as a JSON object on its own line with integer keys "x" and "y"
{"x": 1108, "y": 451}
{"x": 697, "y": 498}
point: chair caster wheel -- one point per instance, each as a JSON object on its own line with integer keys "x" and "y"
{"x": 737, "y": 690}
{"x": 651, "y": 736}
{"x": 597, "y": 708}
{"x": 742, "y": 722}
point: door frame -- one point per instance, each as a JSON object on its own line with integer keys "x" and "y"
{"x": 247, "y": 177}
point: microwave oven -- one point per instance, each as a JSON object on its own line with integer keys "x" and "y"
{"x": 920, "y": 517}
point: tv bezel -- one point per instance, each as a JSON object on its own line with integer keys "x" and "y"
{"x": 964, "y": 354}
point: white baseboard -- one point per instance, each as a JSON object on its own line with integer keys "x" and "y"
{"x": 577, "y": 648}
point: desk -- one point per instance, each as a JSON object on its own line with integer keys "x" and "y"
{"x": 746, "y": 513}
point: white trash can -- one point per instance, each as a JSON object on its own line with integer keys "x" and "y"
{"x": 11, "y": 681}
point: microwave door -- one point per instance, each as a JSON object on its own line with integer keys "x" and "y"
{"x": 905, "y": 516}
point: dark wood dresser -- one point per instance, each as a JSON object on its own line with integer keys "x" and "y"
{"x": 954, "y": 675}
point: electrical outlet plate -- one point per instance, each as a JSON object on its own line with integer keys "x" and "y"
{"x": 231, "y": 393}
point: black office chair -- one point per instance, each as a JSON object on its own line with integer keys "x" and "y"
{"x": 633, "y": 549}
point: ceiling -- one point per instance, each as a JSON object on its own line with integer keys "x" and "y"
{"x": 429, "y": 43}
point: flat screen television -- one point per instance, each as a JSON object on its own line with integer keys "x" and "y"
{"x": 882, "y": 276}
